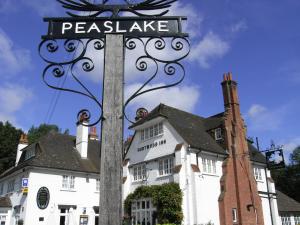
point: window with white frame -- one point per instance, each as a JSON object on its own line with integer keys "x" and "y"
{"x": 286, "y": 220}
{"x": 257, "y": 173}
{"x": 143, "y": 212}
{"x": 218, "y": 134}
{"x": 97, "y": 184}
{"x": 165, "y": 166}
{"x": 65, "y": 212}
{"x": 152, "y": 131}
{"x": 3, "y": 219}
{"x": 139, "y": 172}
{"x": 234, "y": 215}
{"x": 11, "y": 186}
{"x": 68, "y": 182}
{"x": 1, "y": 188}
{"x": 18, "y": 184}
{"x": 297, "y": 219}
{"x": 209, "y": 166}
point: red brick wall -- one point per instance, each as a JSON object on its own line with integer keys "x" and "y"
{"x": 238, "y": 185}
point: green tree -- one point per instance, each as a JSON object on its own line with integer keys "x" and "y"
{"x": 35, "y": 133}
{"x": 9, "y": 139}
{"x": 287, "y": 180}
{"x": 295, "y": 156}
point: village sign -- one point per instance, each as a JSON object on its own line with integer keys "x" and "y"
{"x": 148, "y": 30}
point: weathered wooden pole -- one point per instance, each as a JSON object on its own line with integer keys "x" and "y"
{"x": 110, "y": 209}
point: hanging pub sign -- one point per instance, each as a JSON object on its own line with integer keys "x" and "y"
{"x": 275, "y": 159}
{"x": 85, "y": 23}
{"x": 43, "y": 198}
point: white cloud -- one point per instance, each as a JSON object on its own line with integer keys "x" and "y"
{"x": 182, "y": 97}
{"x": 239, "y": 26}
{"x": 12, "y": 99}
{"x": 290, "y": 145}
{"x": 12, "y": 59}
{"x": 211, "y": 47}
{"x": 43, "y": 7}
{"x": 263, "y": 119}
{"x": 194, "y": 20}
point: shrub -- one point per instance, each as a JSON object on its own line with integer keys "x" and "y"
{"x": 167, "y": 199}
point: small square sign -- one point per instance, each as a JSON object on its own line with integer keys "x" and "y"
{"x": 24, "y": 182}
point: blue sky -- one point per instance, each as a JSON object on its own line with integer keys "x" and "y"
{"x": 258, "y": 41}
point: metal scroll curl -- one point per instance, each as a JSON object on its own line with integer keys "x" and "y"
{"x": 78, "y": 61}
{"x": 165, "y": 57}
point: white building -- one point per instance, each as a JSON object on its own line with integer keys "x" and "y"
{"x": 70, "y": 174}
{"x": 169, "y": 145}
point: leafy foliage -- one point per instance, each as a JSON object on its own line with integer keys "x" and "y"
{"x": 35, "y": 133}
{"x": 287, "y": 180}
{"x": 167, "y": 199}
{"x": 9, "y": 139}
{"x": 295, "y": 156}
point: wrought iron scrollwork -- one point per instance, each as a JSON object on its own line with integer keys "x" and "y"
{"x": 170, "y": 63}
{"x": 160, "y": 58}
{"x": 95, "y": 9}
{"x": 48, "y": 50}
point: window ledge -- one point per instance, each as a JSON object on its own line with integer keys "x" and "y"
{"x": 158, "y": 136}
{"x": 164, "y": 176}
{"x": 138, "y": 181}
{"x": 210, "y": 174}
{"x": 68, "y": 190}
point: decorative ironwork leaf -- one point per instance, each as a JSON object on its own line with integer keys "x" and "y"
{"x": 132, "y": 6}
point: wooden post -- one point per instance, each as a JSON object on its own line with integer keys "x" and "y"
{"x": 110, "y": 209}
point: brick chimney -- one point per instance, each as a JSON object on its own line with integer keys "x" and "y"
{"x": 93, "y": 134}
{"x": 239, "y": 195}
{"x": 23, "y": 143}
{"x": 82, "y": 135}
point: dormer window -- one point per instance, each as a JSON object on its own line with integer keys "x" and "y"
{"x": 29, "y": 154}
{"x": 152, "y": 131}
{"x": 218, "y": 134}
{"x": 257, "y": 174}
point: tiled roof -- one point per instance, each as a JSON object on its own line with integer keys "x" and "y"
{"x": 287, "y": 204}
{"x": 58, "y": 151}
{"x": 189, "y": 126}
{"x": 5, "y": 202}
{"x": 193, "y": 129}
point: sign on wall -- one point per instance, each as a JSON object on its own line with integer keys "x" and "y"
{"x": 43, "y": 198}
{"x": 24, "y": 182}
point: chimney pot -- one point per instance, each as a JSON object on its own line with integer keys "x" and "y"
{"x": 93, "y": 133}
{"x": 23, "y": 143}
{"x": 82, "y": 135}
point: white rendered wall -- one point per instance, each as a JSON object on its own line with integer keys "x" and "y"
{"x": 16, "y": 197}
{"x": 171, "y": 137}
{"x": 262, "y": 186}
{"x": 83, "y": 196}
{"x": 200, "y": 191}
